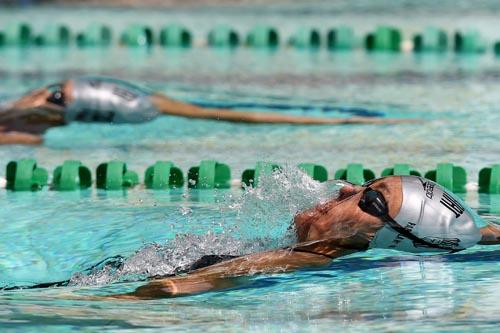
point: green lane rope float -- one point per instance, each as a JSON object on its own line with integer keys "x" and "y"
{"x": 315, "y": 171}
{"x": 115, "y": 176}
{"x": 54, "y": 35}
{"x": 95, "y": 35}
{"x": 469, "y": 41}
{"x": 432, "y": 39}
{"x": 400, "y": 170}
{"x": 385, "y": 38}
{"x": 175, "y": 35}
{"x": 209, "y": 174}
{"x": 341, "y": 38}
{"x": 137, "y": 35}
{"x": 163, "y": 175}
{"x": 262, "y": 36}
{"x": 450, "y": 176}
{"x": 305, "y": 37}
{"x": 496, "y": 48}
{"x": 489, "y": 179}
{"x": 223, "y": 36}
{"x": 25, "y": 175}
{"x": 71, "y": 176}
{"x": 355, "y": 173}
{"x": 19, "y": 33}
{"x": 251, "y": 177}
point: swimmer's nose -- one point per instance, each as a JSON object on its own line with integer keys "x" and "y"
{"x": 348, "y": 190}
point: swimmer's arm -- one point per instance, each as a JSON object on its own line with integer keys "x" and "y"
{"x": 175, "y": 108}
{"x": 22, "y": 138}
{"x": 229, "y": 274}
{"x": 490, "y": 235}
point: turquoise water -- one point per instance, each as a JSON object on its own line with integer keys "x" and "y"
{"x": 50, "y": 236}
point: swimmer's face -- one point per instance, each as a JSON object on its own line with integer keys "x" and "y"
{"x": 39, "y": 109}
{"x": 341, "y": 217}
{"x": 53, "y": 97}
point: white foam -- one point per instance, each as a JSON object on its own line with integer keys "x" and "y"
{"x": 263, "y": 217}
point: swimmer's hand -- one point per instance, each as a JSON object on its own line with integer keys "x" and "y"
{"x": 229, "y": 274}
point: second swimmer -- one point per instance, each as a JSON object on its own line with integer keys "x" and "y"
{"x": 101, "y": 99}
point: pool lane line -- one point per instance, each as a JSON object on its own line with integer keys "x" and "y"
{"x": 235, "y": 183}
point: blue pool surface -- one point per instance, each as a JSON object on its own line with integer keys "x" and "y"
{"x": 49, "y": 236}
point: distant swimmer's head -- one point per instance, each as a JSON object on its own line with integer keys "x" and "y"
{"x": 38, "y": 110}
{"x": 404, "y": 213}
{"x": 103, "y": 99}
{"x": 88, "y": 99}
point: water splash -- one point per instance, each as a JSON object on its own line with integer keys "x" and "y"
{"x": 272, "y": 205}
{"x": 263, "y": 221}
{"x": 162, "y": 260}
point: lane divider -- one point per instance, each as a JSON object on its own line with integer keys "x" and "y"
{"x": 355, "y": 173}
{"x": 341, "y": 38}
{"x": 96, "y": 35}
{"x": 384, "y": 38}
{"x": 26, "y": 175}
{"x": 450, "y": 176}
{"x": 250, "y": 177}
{"x": 223, "y": 36}
{"x": 175, "y": 35}
{"x": 209, "y": 174}
{"x": 432, "y": 39}
{"x": 71, "y": 176}
{"x": 489, "y": 179}
{"x": 114, "y": 175}
{"x": 163, "y": 175}
{"x": 400, "y": 169}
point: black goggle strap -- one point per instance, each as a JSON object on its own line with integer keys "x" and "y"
{"x": 373, "y": 203}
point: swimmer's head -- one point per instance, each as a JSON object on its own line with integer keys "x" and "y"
{"x": 440, "y": 219}
{"x": 87, "y": 99}
{"x": 433, "y": 218}
{"x": 37, "y": 110}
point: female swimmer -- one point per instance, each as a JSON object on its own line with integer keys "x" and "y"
{"x": 99, "y": 99}
{"x": 404, "y": 213}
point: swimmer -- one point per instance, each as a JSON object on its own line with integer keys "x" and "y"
{"x": 405, "y": 213}
{"x": 110, "y": 100}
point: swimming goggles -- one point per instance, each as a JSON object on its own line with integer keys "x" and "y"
{"x": 374, "y": 203}
{"x": 57, "y": 95}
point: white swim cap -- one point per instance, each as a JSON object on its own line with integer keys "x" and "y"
{"x": 434, "y": 215}
{"x": 104, "y": 99}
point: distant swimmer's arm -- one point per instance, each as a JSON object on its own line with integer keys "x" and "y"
{"x": 172, "y": 107}
{"x": 231, "y": 273}
{"x": 11, "y": 138}
{"x": 490, "y": 235}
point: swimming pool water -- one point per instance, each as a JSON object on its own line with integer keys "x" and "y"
{"x": 50, "y": 236}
